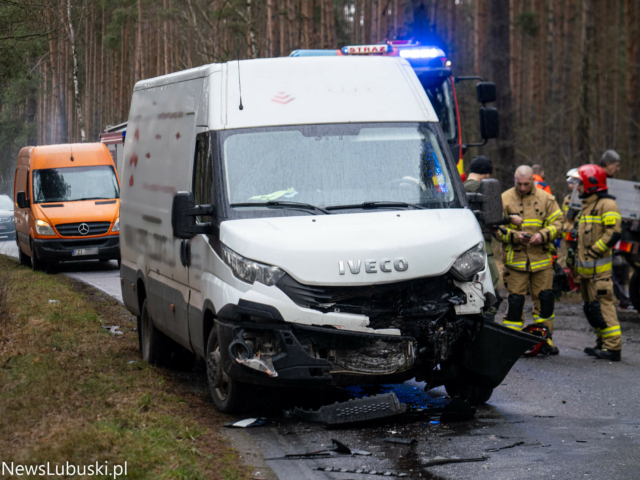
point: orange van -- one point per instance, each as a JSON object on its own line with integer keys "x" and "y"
{"x": 67, "y": 200}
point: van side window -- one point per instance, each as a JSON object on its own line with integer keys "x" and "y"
{"x": 203, "y": 171}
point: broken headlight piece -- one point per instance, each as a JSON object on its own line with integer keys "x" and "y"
{"x": 250, "y": 271}
{"x": 469, "y": 263}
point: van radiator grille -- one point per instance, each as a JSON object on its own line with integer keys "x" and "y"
{"x": 71, "y": 229}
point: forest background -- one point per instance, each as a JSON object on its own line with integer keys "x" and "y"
{"x": 567, "y": 71}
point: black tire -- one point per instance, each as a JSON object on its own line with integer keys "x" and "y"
{"x": 227, "y": 394}
{"x": 36, "y": 263}
{"x": 159, "y": 349}
{"x": 23, "y": 257}
{"x": 634, "y": 289}
{"x": 151, "y": 339}
{"x": 474, "y": 394}
{"x": 139, "y": 330}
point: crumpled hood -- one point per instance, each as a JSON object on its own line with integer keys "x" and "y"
{"x": 310, "y": 248}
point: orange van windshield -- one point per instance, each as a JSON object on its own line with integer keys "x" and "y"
{"x": 73, "y": 184}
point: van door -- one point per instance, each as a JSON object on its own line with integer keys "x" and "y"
{"x": 21, "y": 215}
{"x": 159, "y": 153}
{"x": 199, "y": 247}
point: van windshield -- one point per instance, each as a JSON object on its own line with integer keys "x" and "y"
{"x": 339, "y": 165}
{"x": 73, "y": 184}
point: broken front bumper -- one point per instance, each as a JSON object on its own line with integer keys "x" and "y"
{"x": 299, "y": 356}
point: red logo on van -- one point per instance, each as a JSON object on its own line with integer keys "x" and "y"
{"x": 282, "y": 98}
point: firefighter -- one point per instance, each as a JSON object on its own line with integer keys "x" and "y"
{"x": 481, "y": 168}
{"x": 610, "y": 162}
{"x": 599, "y": 229}
{"x": 569, "y": 220}
{"x": 568, "y": 226}
{"x": 527, "y": 253}
{"x": 538, "y": 178}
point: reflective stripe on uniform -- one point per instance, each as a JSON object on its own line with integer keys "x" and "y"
{"x": 531, "y": 222}
{"x": 553, "y": 216}
{"x": 599, "y": 332}
{"x": 590, "y": 219}
{"x": 610, "y": 218}
{"x": 552, "y": 232}
{"x": 539, "y": 319}
{"x": 540, "y": 264}
{"x": 505, "y": 237}
{"x": 514, "y": 325}
{"x": 601, "y": 245}
{"x": 594, "y": 267}
{"x": 611, "y": 331}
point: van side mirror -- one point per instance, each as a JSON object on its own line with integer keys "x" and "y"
{"x": 487, "y": 203}
{"x": 486, "y": 92}
{"x": 183, "y": 216}
{"x": 489, "y": 123}
{"x": 22, "y": 201}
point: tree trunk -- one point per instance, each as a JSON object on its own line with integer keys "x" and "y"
{"x": 632, "y": 53}
{"x": 500, "y": 59}
{"x": 138, "y": 70}
{"x": 480, "y": 33}
{"x": 584, "y": 126}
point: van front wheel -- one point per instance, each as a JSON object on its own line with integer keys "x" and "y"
{"x": 227, "y": 394}
{"x": 36, "y": 263}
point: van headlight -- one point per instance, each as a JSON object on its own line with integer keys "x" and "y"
{"x": 469, "y": 263}
{"x": 250, "y": 271}
{"x": 43, "y": 228}
{"x": 116, "y": 225}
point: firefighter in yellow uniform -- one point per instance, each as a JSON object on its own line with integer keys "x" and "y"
{"x": 527, "y": 253}
{"x": 599, "y": 229}
{"x": 569, "y": 219}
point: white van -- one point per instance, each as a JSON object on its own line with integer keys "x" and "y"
{"x": 297, "y": 222}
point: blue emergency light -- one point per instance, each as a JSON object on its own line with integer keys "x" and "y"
{"x": 422, "y": 52}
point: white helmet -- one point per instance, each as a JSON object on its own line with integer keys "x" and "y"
{"x": 571, "y": 174}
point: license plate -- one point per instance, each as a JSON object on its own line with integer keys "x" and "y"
{"x": 84, "y": 251}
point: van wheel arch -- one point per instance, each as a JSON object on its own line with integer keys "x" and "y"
{"x": 208, "y": 317}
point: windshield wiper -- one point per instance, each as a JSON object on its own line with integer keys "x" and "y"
{"x": 280, "y": 203}
{"x": 92, "y": 198}
{"x": 380, "y": 204}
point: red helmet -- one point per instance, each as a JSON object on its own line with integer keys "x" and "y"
{"x": 593, "y": 177}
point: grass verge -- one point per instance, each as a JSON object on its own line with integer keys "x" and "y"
{"x": 70, "y": 391}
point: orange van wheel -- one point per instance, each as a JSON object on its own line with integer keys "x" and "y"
{"x": 36, "y": 263}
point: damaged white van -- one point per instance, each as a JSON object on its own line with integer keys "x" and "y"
{"x": 297, "y": 222}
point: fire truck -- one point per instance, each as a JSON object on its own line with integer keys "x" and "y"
{"x": 434, "y": 71}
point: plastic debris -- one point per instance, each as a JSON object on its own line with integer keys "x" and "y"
{"x": 358, "y": 410}
{"x": 362, "y": 471}
{"x": 113, "y": 329}
{"x": 337, "y": 448}
{"x": 400, "y": 441}
{"x": 53, "y": 301}
{"x": 444, "y": 460}
{"x": 517, "y": 444}
{"x": 258, "y": 364}
{"x": 246, "y": 423}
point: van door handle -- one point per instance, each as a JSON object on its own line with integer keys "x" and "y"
{"x": 185, "y": 253}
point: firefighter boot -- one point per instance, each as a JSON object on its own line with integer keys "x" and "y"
{"x": 548, "y": 348}
{"x": 592, "y": 350}
{"x": 611, "y": 355}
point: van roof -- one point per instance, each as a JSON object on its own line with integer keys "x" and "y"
{"x": 59, "y": 156}
{"x": 306, "y": 90}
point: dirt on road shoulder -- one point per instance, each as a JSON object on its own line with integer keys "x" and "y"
{"x": 71, "y": 391}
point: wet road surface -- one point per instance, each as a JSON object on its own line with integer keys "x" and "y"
{"x": 571, "y": 416}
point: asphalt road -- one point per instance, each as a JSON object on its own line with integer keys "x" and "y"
{"x": 571, "y": 416}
